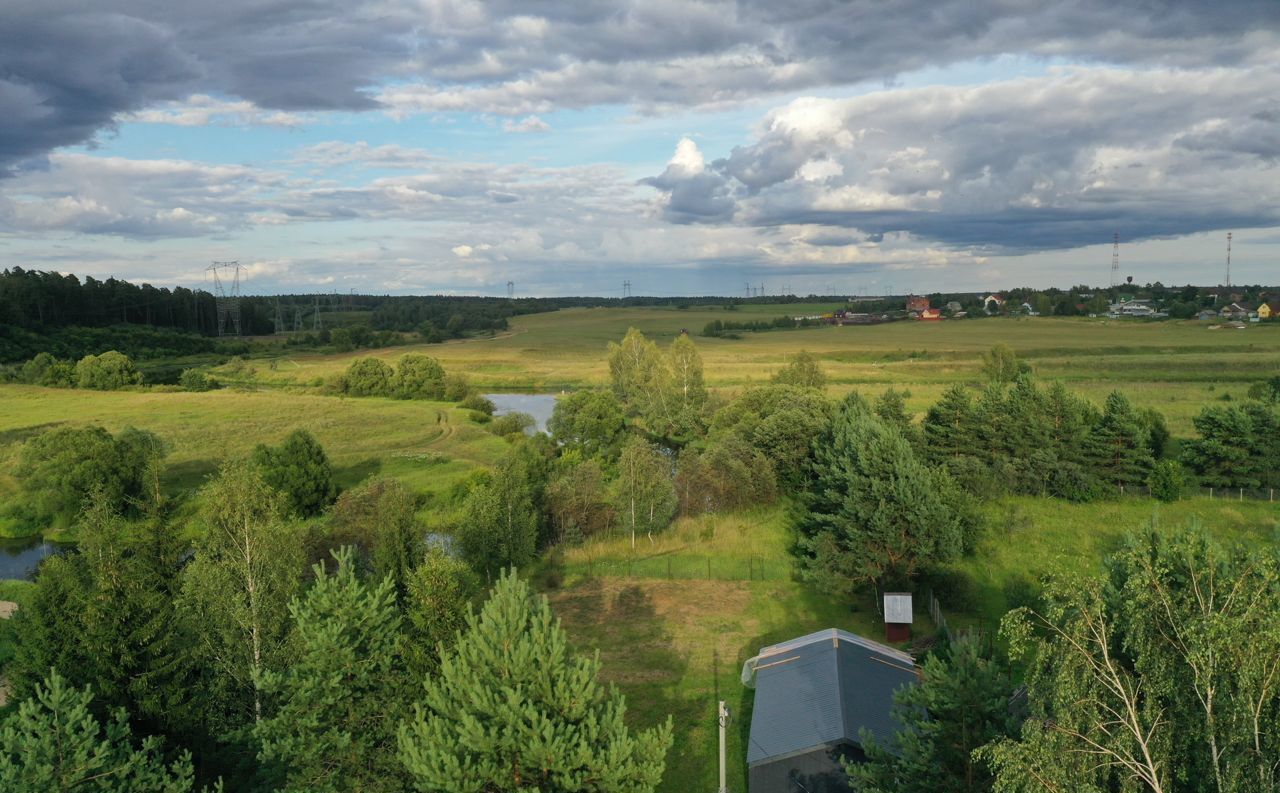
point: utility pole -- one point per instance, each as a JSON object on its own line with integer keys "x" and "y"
{"x": 724, "y": 723}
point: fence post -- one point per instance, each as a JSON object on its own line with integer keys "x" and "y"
{"x": 1241, "y": 494}
{"x": 1273, "y": 495}
{"x": 1211, "y": 494}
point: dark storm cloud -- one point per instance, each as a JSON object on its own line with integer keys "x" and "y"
{"x": 1023, "y": 165}
{"x": 68, "y": 69}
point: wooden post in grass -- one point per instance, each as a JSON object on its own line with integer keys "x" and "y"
{"x": 1241, "y": 494}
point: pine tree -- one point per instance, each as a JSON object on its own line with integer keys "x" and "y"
{"x": 338, "y": 701}
{"x": 872, "y": 512}
{"x": 435, "y": 609}
{"x": 963, "y": 702}
{"x": 950, "y": 426}
{"x": 300, "y": 470}
{"x": 1117, "y": 448}
{"x": 1220, "y": 457}
{"x": 54, "y": 744}
{"x": 1070, "y": 419}
{"x": 892, "y": 410}
{"x": 513, "y": 709}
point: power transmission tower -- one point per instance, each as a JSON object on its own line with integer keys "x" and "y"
{"x": 511, "y": 290}
{"x": 297, "y": 318}
{"x": 748, "y": 290}
{"x": 226, "y": 297}
{"x": 1228, "y": 258}
{"x": 315, "y": 316}
{"x": 1115, "y": 260}
{"x": 626, "y": 289}
{"x": 279, "y": 318}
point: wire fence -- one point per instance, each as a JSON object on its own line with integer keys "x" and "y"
{"x": 1215, "y": 493}
{"x": 686, "y": 567}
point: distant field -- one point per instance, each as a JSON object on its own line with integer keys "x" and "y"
{"x": 1175, "y": 366}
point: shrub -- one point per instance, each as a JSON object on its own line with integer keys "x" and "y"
{"x": 514, "y": 423}
{"x": 109, "y": 371}
{"x": 419, "y": 377}
{"x": 45, "y": 370}
{"x": 60, "y": 468}
{"x": 368, "y": 377}
{"x": 478, "y": 404}
{"x": 456, "y": 387}
{"x": 1167, "y": 480}
{"x": 196, "y": 380}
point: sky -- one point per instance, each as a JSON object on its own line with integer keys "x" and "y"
{"x": 689, "y": 148}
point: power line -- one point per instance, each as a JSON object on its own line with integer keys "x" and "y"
{"x": 226, "y": 300}
{"x": 1115, "y": 260}
{"x": 1228, "y": 258}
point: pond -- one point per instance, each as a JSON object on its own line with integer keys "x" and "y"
{"x": 18, "y": 558}
{"x": 537, "y": 405}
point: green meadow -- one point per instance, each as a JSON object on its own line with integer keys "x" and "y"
{"x": 675, "y": 617}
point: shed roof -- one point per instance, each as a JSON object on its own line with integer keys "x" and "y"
{"x": 822, "y": 689}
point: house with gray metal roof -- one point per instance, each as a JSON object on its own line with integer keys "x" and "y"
{"x": 814, "y": 697}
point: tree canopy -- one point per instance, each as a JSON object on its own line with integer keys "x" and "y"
{"x": 514, "y": 709}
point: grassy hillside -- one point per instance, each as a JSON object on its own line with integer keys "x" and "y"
{"x": 429, "y": 446}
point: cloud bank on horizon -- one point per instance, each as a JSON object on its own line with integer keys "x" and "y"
{"x": 452, "y": 145}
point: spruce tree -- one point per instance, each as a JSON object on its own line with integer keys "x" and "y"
{"x": 54, "y": 744}
{"x": 514, "y": 709}
{"x": 1117, "y": 448}
{"x": 338, "y": 702}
